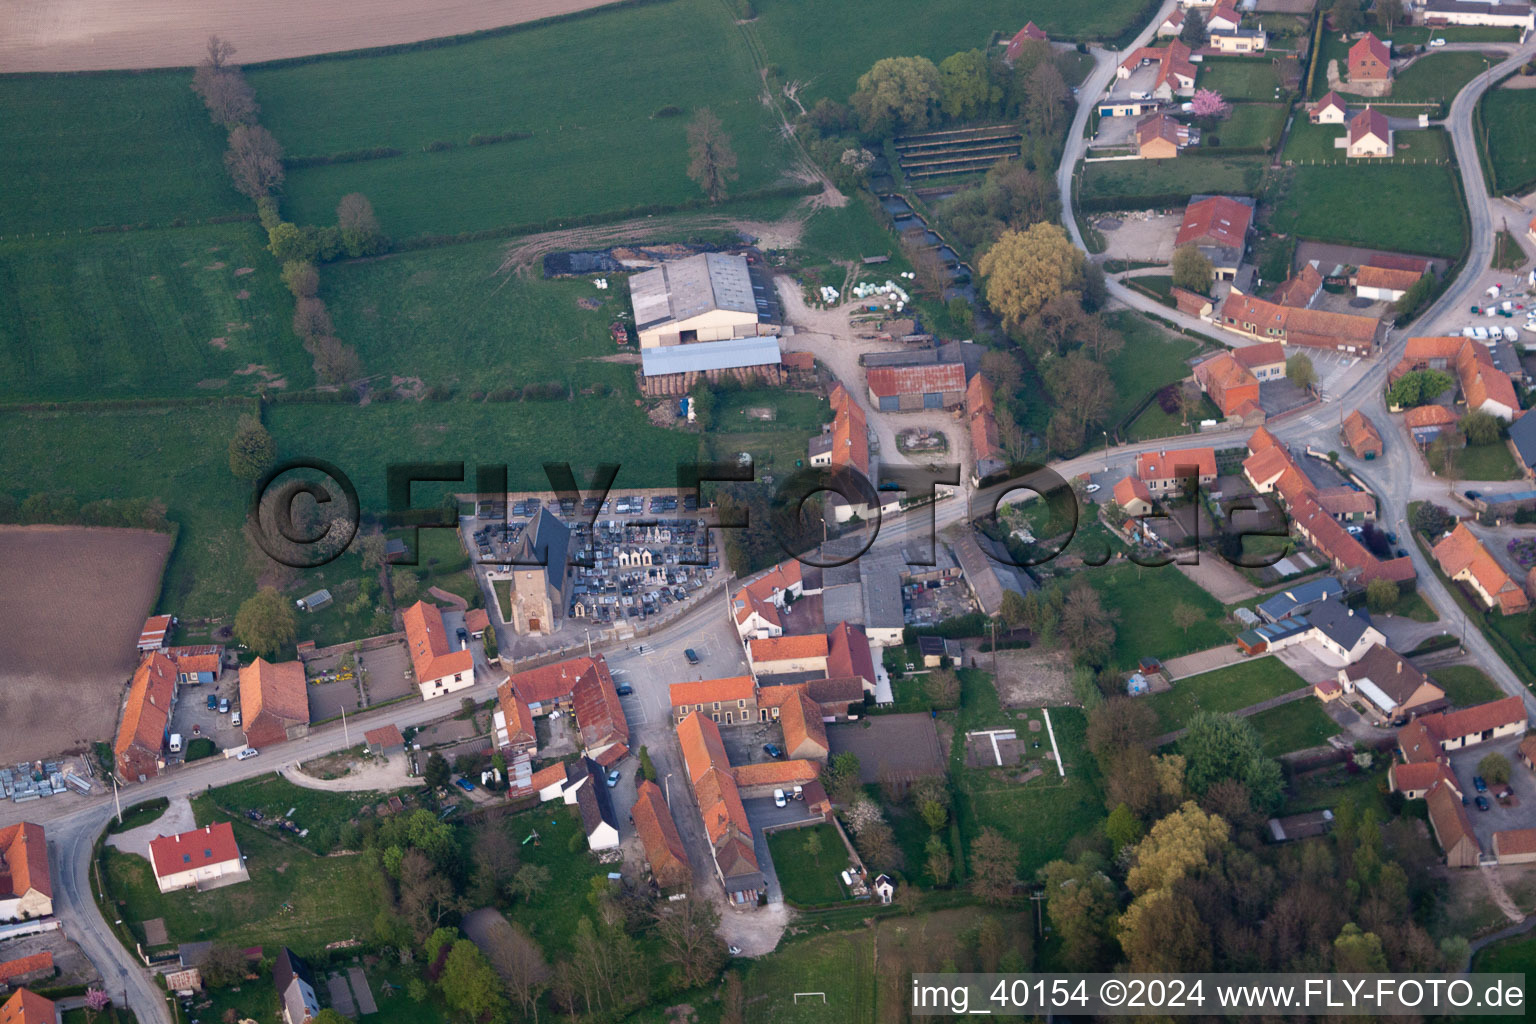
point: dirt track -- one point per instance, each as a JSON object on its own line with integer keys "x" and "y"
{"x": 74, "y": 601}
{"x": 93, "y": 35}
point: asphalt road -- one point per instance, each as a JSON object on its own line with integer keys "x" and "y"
{"x": 74, "y": 822}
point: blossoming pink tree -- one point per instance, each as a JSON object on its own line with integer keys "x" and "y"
{"x": 1208, "y": 103}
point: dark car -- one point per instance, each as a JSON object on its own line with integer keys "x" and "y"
{"x": 1391, "y": 537}
{"x": 1474, "y": 495}
{"x": 463, "y": 636}
{"x": 213, "y": 702}
{"x": 772, "y": 750}
{"x": 1482, "y": 803}
{"x": 1402, "y": 552}
{"x": 692, "y": 656}
{"x": 1479, "y": 783}
{"x": 623, "y": 689}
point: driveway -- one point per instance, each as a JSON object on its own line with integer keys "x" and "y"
{"x": 1213, "y": 575}
{"x": 176, "y": 819}
{"x": 1204, "y": 661}
{"x": 1498, "y": 817}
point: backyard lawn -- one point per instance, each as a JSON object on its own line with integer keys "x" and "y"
{"x": 1251, "y": 124}
{"x": 1438, "y": 77}
{"x": 809, "y": 880}
{"x": 322, "y": 812}
{"x": 1109, "y": 185}
{"x": 1399, "y": 207}
{"x": 1509, "y": 119}
{"x": 293, "y": 898}
{"x": 1239, "y": 78}
{"x": 1294, "y": 726}
{"x": 1225, "y": 690}
{"x": 1141, "y": 597}
{"x": 1465, "y": 685}
{"x": 1477, "y": 462}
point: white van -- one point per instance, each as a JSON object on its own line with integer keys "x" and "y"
{"x": 175, "y": 743}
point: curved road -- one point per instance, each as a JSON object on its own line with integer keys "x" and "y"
{"x": 73, "y": 824}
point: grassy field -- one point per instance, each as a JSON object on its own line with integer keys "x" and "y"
{"x": 1398, "y": 207}
{"x": 1224, "y": 690}
{"x": 595, "y": 144}
{"x": 1465, "y": 685}
{"x": 1295, "y": 726}
{"x": 1478, "y": 462}
{"x": 83, "y": 151}
{"x": 828, "y": 46}
{"x": 293, "y": 898}
{"x": 1131, "y": 179}
{"x": 1142, "y": 597}
{"x": 322, "y": 812}
{"x": 451, "y": 316}
{"x": 1251, "y": 124}
{"x": 1153, "y": 422}
{"x": 1151, "y": 359}
{"x": 1507, "y": 252}
{"x": 808, "y": 880}
{"x": 145, "y": 313}
{"x": 1509, "y": 118}
{"x": 1239, "y": 78}
{"x": 1438, "y": 77}
{"x": 1308, "y": 141}
{"x": 179, "y": 455}
{"x": 841, "y": 965}
{"x": 1513, "y": 955}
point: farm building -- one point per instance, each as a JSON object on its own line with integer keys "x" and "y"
{"x": 441, "y": 665}
{"x": 1515, "y": 846}
{"x": 156, "y": 634}
{"x": 275, "y": 702}
{"x": 907, "y": 388}
{"x": 1361, "y": 436}
{"x": 664, "y": 852}
{"x": 1218, "y": 226}
{"x": 708, "y": 297}
{"x": 1452, "y": 827}
{"x": 740, "y": 358}
{"x": 1484, "y": 386}
{"x": 720, "y": 806}
{"x": 26, "y": 886}
{"x": 1311, "y": 328}
{"x": 1476, "y": 12}
{"x": 146, "y": 722}
{"x": 199, "y": 664}
{"x": 582, "y": 686}
{"x": 1464, "y": 558}
{"x": 1385, "y": 277}
{"x": 1029, "y": 32}
{"x": 203, "y": 858}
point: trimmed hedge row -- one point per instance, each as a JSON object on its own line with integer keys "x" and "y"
{"x": 349, "y": 157}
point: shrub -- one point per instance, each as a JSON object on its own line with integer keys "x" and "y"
{"x": 437, "y": 146}
{"x": 669, "y": 111}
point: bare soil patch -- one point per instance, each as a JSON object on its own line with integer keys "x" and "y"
{"x": 75, "y": 601}
{"x": 219, "y": 343}
{"x": 242, "y": 271}
{"x": 94, "y": 35}
{"x": 1029, "y": 678}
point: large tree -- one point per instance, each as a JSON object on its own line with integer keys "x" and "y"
{"x": 1217, "y": 747}
{"x": 994, "y": 866}
{"x": 265, "y": 622}
{"x": 897, "y": 94}
{"x": 1080, "y": 900}
{"x": 1192, "y": 269}
{"x": 360, "y": 233}
{"x": 254, "y": 161}
{"x": 251, "y": 450}
{"x": 711, "y": 160}
{"x": 1419, "y": 387}
{"x": 1480, "y": 427}
{"x": 470, "y": 984}
{"x": 1026, "y": 269}
{"x": 1084, "y": 394}
{"x": 966, "y": 85}
{"x": 686, "y": 929}
{"x": 1300, "y": 371}
{"x": 1047, "y": 101}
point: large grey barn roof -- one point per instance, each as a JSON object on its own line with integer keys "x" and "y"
{"x": 710, "y": 355}
{"x": 680, "y": 289}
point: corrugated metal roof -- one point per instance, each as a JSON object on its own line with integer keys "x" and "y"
{"x": 710, "y": 355}
{"x": 680, "y": 289}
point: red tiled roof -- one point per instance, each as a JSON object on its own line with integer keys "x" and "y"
{"x": 1227, "y": 381}
{"x": 1261, "y": 439}
{"x": 199, "y": 658}
{"x": 836, "y": 690}
{"x": 277, "y": 690}
{"x": 148, "y": 708}
{"x": 1430, "y": 416}
{"x": 1311, "y": 327}
{"x": 1166, "y": 465}
{"x": 24, "y": 860}
{"x": 658, "y": 834}
{"x": 27, "y": 1007}
{"x": 1161, "y": 126}
{"x": 1369, "y": 121}
{"x": 794, "y": 772}
{"x": 612, "y": 755}
{"x": 1462, "y": 551}
{"x": 1332, "y": 99}
{"x": 549, "y": 682}
{"x": 599, "y": 715}
{"x": 1384, "y": 277}
{"x": 1342, "y": 501}
{"x": 1361, "y": 434}
{"x": 1514, "y": 842}
{"x": 1449, "y": 817}
{"x": 1416, "y": 775}
{"x": 211, "y": 844}
{"x": 786, "y": 648}
{"x": 1215, "y": 221}
{"x": 516, "y": 715}
{"x": 385, "y": 736}
{"x": 703, "y": 749}
{"x": 1129, "y": 489}
{"x": 1369, "y": 48}
{"x": 1478, "y": 718}
{"x": 889, "y": 381}
{"x": 1172, "y": 60}
{"x": 476, "y": 620}
{"x": 1016, "y": 44}
{"x": 850, "y": 436}
{"x": 801, "y": 719}
{"x": 26, "y": 965}
{"x": 1297, "y": 291}
{"x": 427, "y": 640}
{"x": 848, "y": 652}
{"x": 154, "y": 632}
{"x": 707, "y": 691}
{"x": 1265, "y": 353}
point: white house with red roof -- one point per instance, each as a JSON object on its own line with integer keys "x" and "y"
{"x": 204, "y": 858}
{"x": 1370, "y": 134}
{"x": 1172, "y": 25}
{"x": 1166, "y": 472}
{"x": 442, "y": 666}
{"x": 1331, "y": 109}
{"x": 1029, "y": 32}
{"x": 756, "y": 607}
{"x": 1223, "y": 18}
{"x": 1218, "y": 226}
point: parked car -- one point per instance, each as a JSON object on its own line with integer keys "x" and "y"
{"x": 1401, "y": 552}
{"x": 623, "y": 689}
{"x": 465, "y": 785}
{"x": 772, "y": 750}
{"x": 223, "y": 705}
{"x": 692, "y": 656}
{"x": 463, "y": 638}
{"x": 1474, "y": 495}
{"x": 234, "y": 718}
{"x": 1482, "y": 803}
{"x": 1437, "y": 41}
{"x": 780, "y": 801}
{"x": 613, "y": 778}
{"x": 1479, "y": 783}
{"x": 247, "y": 754}
{"x": 213, "y": 702}
{"x": 733, "y": 950}
{"x": 1092, "y": 488}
